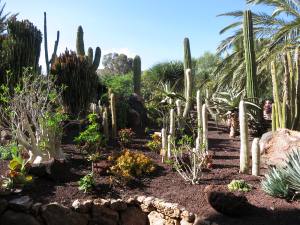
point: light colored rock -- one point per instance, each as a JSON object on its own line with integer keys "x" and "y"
{"x": 156, "y": 218}
{"x": 184, "y": 222}
{"x": 170, "y": 221}
{"x": 82, "y": 206}
{"x": 101, "y": 202}
{"x": 3, "y": 205}
{"x": 21, "y": 204}
{"x": 133, "y": 215}
{"x": 17, "y": 218}
{"x": 140, "y": 199}
{"x": 171, "y": 210}
{"x": 187, "y": 216}
{"x": 56, "y": 214}
{"x": 118, "y": 205}
{"x": 264, "y": 141}
{"x": 275, "y": 149}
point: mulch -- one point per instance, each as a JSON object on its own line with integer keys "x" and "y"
{"x": 168, "y": 185}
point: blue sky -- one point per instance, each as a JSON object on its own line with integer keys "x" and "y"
{"x": 153, "y": 29}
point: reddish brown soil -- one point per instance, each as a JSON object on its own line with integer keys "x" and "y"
{"x": 167, "y": 184}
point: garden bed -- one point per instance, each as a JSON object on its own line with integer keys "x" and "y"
{"x": 168, "y": 185}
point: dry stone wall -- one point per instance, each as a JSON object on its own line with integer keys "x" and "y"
{"x": 140, "y": 210}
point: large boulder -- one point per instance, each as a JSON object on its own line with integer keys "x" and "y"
{"x": 137, "y": 114}
{"x": 133, "y": 215}
{"x": 275, "y": 146}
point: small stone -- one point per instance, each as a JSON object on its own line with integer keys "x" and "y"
{"x": 3, "y": 205}
{"x": 82, "y": 206}
{"x": 147, "y": 208}
{"x": 17, "y": 218}
{"x": 101, "y": 202}
{"x": 21, "y": 204}
{"x": 187, "y": 216}
{"x": 140, "y": 199}
{"x": 118, "y": 205}
{"x": 170, "y": 221}
{"x": 184, "y": 222}
{"x": 156, "y": 218}
{"x": 131, "y": 201}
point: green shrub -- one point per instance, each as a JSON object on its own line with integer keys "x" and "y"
{"x": 155, "y": 144}
{"x": 87, "y": 183}
{"x": 121, "y": 85}
{"x": 126, "y": 136}
{"x": 9, "y": 151}
{"x": 239, "y": 185}
{"x": 91, "y": 138}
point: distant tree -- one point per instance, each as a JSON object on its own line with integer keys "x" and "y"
{"x": 115, "y": 63}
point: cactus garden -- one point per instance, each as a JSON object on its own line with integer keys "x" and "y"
{"x": 96, "y": 135}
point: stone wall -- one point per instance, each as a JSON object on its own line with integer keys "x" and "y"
{"x": 139, "y": 210}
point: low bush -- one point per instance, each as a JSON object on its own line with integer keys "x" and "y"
{"x": 125, "y": 136}
{"x": 87, "y": 183}
{"x": 239, "y": 185}
{"x": 9, "y": 151}
{"x": 130, "y": 165}
{"x": 155, "y": 144}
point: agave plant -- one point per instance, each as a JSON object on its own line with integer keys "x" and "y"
{"x": 292, "y": 170}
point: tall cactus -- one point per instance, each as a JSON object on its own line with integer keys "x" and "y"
{"x": 47, "y": 61}
{"x": 199, "y": 116}
{"x": 244, "y": 150}
{"x": 105, "y": 122}
{"x": 188, "y": 90}
{"x": 164, "y": 143}
{"x": 205, "y": 127}
{"x": 137, "y": 71}
{"x": 113, "y": 115}
{"x": 187, "y": 63}
{"x": 80, "y": 42}
{"x": 251, "y": 81}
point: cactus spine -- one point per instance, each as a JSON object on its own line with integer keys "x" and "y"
{"x": 80, "y": 42}
{"x": 255, "y": 150}
{"x": 244, "y": 150}
{"x": 187, "y": 64}
{"x": 251, "y": 82}
{"x": 137, "y": 71}
{"x": 113, "y": 115}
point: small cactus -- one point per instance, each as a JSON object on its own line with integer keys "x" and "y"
{"x": 255, "y": 157}
{"x": 244, "y": 150}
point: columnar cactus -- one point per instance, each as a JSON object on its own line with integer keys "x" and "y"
{"x": 137, "y": 71}
{"x": 105, "y": 122}
{"x": 188, "y": 88}
{"x": 113, "y": 115}
{"x": 251, "y": 81}
{"x": 199, "y": 116}
{"x": 49, "y": 63}
{"x": 164, "y": 143}
{"x": 187, "y": 63}
{"x": 244, "y": 150}
{"x": 80, "y": 42}
{"x": 169, "y": 154}
{"x": 205, "y": 127}
{"x": 172, "y": 122}
{"x": 255, "y": 149}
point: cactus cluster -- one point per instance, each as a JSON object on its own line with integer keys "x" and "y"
{"x": 286, "y": 110}
{"x": 20, "y": 48}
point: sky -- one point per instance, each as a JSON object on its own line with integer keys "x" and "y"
{"x": 152, "y": 29}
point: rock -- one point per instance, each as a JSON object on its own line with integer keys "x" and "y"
{"x": 275, "y": 149}
{"x": 170, "y": 221}
{"x": 82, "y": 206}
{"x": 118, "y": 205}
{"x": 171, "y": 210}
{"x": 17, "y": 218}
{"x": 56, "y": 214}
{"x": 3, "y": 205}
{"x": 102, "y": 214}
{"x": 21, "y": 204}
{"x": 225, "y": 202}
{"x": 137, "y": 114}
{"x": 264, "y": 140}
{"x": 133, "y": 215}
{"x": 184, "y": 222}
{"x": 187, "y": 216}
{"x": 36, "y": 208}
{"x": 141, "y": 199}
{"x": 42, "y": 169}
{"x": 156, "y": 218}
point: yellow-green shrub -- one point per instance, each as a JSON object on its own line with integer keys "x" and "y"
{"x": 155, "y": 144}
{"x": 130, "y": 164}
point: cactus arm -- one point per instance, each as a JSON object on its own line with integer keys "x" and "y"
{"x": 97, "y": 58}
{"x": 277, "y": 104}
{"x": 187, "y": 64}
{"x": 80, "y": 42}
{"x": 297, "y": 91}
{"x": 189, "y": 93}
{"x": 205, "y": 127}
{"x": 255, "y": 150}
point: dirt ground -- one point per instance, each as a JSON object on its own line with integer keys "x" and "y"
{"x": 167, "y": 184}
